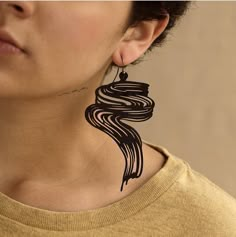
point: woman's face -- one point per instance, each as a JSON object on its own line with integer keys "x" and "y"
{"x": 68, "y": 45}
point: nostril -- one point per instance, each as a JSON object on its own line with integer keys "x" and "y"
{"x": 18, "y": 8}
{"x": 21, "y": 8}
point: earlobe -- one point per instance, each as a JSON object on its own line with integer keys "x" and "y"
{"x": 130, "y": 52}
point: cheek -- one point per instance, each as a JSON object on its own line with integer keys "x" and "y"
{"x": 74, "y": 47}
{"x": 75, "y": 50}
{"x": 84, "y": 34}
{"x": 82, "y": 39}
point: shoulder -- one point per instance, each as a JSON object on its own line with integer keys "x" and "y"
{"x": 205, "y": 203}
{"x": 191, "y": 203}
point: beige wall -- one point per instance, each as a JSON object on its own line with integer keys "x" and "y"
{"x": 192, "y": 80}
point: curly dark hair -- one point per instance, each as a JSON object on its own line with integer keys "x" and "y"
{"x": 151, "y": 10}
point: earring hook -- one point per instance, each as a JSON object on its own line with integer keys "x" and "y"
{"x": 122, "y": 67}
{"x": 123, "y": 72}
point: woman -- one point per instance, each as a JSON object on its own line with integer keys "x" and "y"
{"x": 63, "y": 149}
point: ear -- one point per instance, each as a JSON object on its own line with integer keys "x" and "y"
{"x": 137, "y": 40}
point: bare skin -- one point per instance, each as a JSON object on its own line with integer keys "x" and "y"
{"x": 47, "y": 148}
{"x": 72, "y": 196}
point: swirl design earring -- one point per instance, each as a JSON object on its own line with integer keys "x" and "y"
{"x": 122, "y": 100}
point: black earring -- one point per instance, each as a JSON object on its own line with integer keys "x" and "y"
{"x": 122, "y": 100}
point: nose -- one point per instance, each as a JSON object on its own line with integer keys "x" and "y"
{"x": 22, "y": 9}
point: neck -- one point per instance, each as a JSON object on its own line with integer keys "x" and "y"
{"x": 49, "y": 140}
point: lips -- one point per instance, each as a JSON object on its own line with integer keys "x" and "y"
{"x": 6, "y": 37}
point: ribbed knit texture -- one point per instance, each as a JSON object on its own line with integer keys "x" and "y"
{"x": 176, "y": 201}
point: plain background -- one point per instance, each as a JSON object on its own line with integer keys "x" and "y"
{"x": 192, "y": 80}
